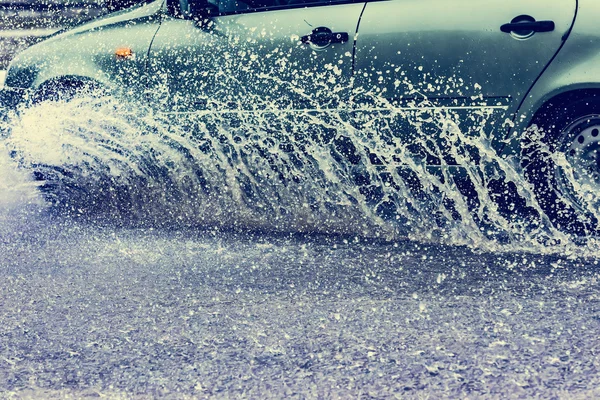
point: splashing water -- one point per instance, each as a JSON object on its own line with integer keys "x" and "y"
{"x": 16, "y": 186}
{"x": 341, "y": 172}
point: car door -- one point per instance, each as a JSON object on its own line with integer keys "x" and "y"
{"x": 274, "y": 54}
{"x": 461, "y": 55}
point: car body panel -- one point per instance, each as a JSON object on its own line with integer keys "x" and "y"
{"x": 254, "y": 60}
{"x": 27, "y": 22}
{"x": 455, "y": 49}
{"x": 88, "y": 51}
{"x": 453, "y": 55}
{"x": 575, "y": 68}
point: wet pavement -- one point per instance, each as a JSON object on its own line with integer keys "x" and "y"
{"x": 87, "y": 312}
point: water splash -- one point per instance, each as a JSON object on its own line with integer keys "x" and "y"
{"x": 348, "y": 172}
{"x": 17, "y": 188}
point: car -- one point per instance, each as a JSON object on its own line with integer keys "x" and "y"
{"x": 526, "y": 68}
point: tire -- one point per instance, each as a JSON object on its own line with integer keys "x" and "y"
{"x": 566, "y": 127}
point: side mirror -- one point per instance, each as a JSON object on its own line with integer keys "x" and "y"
{"x": 201, "y": 9}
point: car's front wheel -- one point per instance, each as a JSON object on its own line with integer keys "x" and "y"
{"x": 561, "y": 159}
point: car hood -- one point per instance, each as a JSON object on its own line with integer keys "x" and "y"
{"x": 24, "y": 68}
{"x": 145, "y": 9}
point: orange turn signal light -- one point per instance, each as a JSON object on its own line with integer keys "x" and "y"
{"x": 124, "y": 53}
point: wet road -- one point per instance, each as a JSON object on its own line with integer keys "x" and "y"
{"x": 88, "y": 312}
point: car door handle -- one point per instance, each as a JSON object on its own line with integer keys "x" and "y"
{"x": 534, "y": 26}
{"x": 323, "y": 37}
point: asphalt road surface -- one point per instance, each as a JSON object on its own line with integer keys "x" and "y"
{"x": 89, "y": 312}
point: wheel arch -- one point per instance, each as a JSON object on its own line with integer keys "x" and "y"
{"x": 56, "y": 87}
{"x": 560, "y": 100}
{"x": 544, "y": 105}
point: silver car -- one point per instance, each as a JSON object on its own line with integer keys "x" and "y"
{"x": 515, "y": 63}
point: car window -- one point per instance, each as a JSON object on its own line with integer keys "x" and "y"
{"x": 243, "y": 6}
